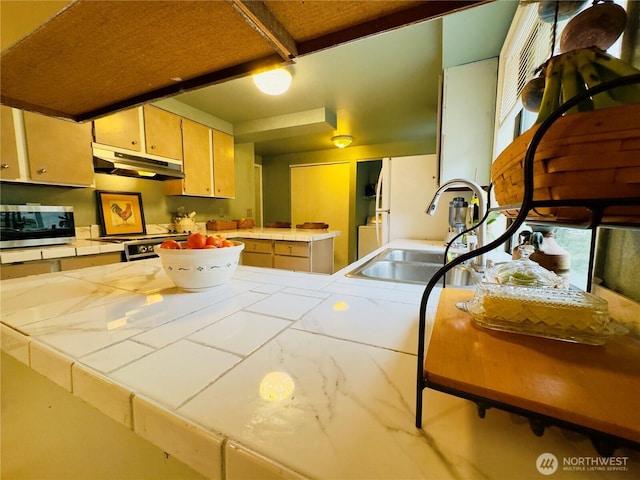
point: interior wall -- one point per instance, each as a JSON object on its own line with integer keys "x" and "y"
{"x": 276, "y": 169}
{"x": 158, "y": 208}
{"x": 277, "y": 188}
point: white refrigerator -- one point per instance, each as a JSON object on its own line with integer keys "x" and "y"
{"x": 405, "y": 187}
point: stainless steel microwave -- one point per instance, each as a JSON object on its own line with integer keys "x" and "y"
{"x": 35, "y": 225}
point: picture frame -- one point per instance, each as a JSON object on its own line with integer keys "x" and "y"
{"x": 121, "y": 213}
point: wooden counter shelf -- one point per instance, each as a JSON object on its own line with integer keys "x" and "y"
{"x": 589, "y": 389}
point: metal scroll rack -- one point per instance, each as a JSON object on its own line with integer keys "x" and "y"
{"x": 605, "y": 444}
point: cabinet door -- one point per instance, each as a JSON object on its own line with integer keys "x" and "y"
{"x": 224, "y": 181}
{"x": 84, "y": 261}
{"x": 9, "y": 168}
{"x": 197, "y": 161}
{"x": 322, "y": 256}
{"x": 321, "y": 193}
{"x": 468, "y": 116}
{"x": 163, "y": 135}
{"x": 299, "y": 264}
{"x": 58, "y": 151}
{"x": 120, "y": 129}
{"x": 18, "y": 270}
{"x": 252, "y": 259}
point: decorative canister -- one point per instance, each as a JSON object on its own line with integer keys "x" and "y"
{"x": 184, "y": 222}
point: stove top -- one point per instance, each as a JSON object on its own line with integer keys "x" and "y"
{"x": 138, "y": 247}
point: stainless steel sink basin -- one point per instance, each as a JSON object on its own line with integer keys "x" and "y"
{"x": 412, "y": 272}
{"x": 401, "y": 255}
{"x": 410, "y": 266}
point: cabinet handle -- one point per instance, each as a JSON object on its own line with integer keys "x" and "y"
{"x": 153, "y": 147}
{"x": 134, "y": 142}
{"x": 42, "y": 170}
{"x": 5, "y": 165}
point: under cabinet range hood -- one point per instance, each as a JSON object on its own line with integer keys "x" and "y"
{"x": 116, "y": 161}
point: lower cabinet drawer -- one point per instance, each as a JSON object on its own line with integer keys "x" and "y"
{"x": 300, "y": 264}
{"x": 257, "y": 245}
{"x": 295, "y": 249}
{"x": 253, "y": 259}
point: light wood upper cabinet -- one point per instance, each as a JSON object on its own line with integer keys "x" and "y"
{"x": 161, "y": 129}
{"x": 121, "y": 129}
{"x": 197, "y": 162}
{"x": 224, "y": 179}
{"x": 9, "y": 166}
{"x": 163, "y": 135}
{"x": 208, "y": 163}
{"x": 58, "y": 151}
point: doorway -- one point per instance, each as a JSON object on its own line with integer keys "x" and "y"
{"x": 257, "y": 186}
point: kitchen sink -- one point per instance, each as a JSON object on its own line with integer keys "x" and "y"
{"x": 422, "y": 256}
{"x": 410, "y": 266}
{"x": 411, "y": 272}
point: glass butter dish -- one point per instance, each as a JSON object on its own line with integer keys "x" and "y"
{"x": 524, "y": 271}
{"x": 570, "y": 315}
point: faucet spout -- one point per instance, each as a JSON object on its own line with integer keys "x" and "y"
{"x": 460, "y": 182}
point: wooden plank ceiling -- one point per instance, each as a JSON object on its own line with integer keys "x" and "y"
{"x": 94, "y": 58}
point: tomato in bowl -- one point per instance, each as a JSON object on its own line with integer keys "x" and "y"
{"x": 200, "y": 264}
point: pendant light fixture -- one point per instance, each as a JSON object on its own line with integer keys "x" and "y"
{"x": 342, "y": 141}
{"x": 273, "y": 82}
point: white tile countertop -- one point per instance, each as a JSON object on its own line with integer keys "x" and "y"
{"x": 308, "y": 375}
{"x": 78, "y": 248}
{"x": 83, "y": 245}
{"x": 292, "y": 234}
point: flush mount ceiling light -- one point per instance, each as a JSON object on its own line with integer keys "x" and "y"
{"x": 342, "y": 141}
{"x": 273, "y": 82}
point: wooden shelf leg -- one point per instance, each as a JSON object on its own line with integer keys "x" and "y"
{"x": 537, "y": 426}
{"x": 482, "y": 408}
{"x": 604, "y": 446}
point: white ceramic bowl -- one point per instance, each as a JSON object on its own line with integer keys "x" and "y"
{"x": 200, "y": 269}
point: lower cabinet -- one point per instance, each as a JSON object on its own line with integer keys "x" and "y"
{"x": 84, "y": 261}
{"x": 316, "y": 256}
{"x": 17, "y": 270}
{"x": 257, "y": 253}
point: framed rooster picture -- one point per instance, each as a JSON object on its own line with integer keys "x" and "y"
{"x": 121, "y": 213}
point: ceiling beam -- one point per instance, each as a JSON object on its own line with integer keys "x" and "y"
{"x": 260, "y": 18}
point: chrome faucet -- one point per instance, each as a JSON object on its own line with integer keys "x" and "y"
{"x": 458, "y": 182}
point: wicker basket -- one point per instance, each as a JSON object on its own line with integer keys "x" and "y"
{"x": 222, "y": 225}
{"x": 246, "y": 223}
{"x": 587, "y": 155}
